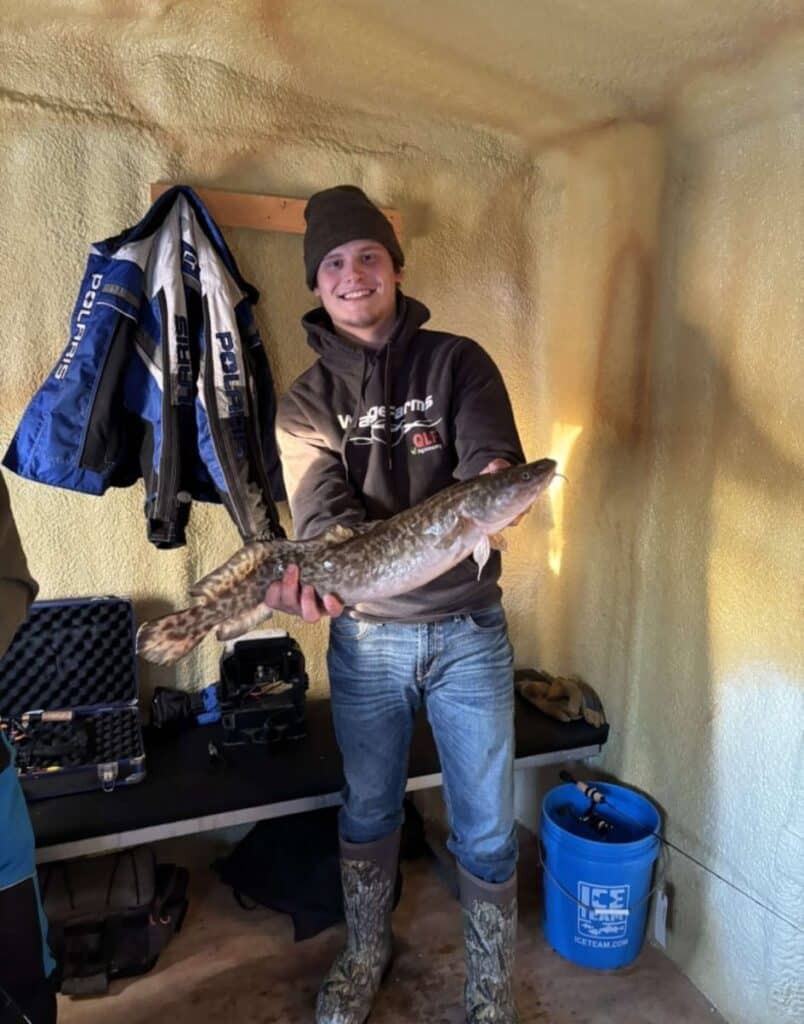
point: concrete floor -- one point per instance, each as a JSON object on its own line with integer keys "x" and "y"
{"x": 234, "y": 966}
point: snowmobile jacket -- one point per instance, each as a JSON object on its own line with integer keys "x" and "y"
{"x": 164, "y": 377}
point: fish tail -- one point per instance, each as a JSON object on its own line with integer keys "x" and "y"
{"x": 167, "y": 639}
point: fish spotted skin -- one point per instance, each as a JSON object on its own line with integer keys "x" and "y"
{"x": 391, "y": 557}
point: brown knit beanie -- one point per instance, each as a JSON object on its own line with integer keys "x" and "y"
{"x": 344, "y": 214}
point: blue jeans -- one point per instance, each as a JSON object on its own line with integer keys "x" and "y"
{"x": 461, "y": 668}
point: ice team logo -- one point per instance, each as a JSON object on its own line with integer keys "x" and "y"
{"x": 603, "y": 912}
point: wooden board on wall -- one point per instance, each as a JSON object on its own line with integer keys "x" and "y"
{"x": 260, "y": 212}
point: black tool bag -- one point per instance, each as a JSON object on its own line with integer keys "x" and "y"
{"x": 262, "y": 691}
{"x": 111, "y": 916}
{"x": 68, "y": 697}
{"x": 292, "y": 865}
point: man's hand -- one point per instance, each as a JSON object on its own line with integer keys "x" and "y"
{"x": 494, "y": 467}
{"x": 287, "y": 596}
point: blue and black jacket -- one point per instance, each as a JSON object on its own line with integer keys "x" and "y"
{"x": 164, "y": 377}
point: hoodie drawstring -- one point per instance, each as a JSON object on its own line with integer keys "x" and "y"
{"x": 339, "y": 355}
{"x": 353, "y": 421}
{"x": 387, "y": 403}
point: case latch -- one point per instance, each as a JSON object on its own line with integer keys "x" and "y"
{"x": 107, "y": 773}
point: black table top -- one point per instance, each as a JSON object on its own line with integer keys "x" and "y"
{"x": 181, "y": 782}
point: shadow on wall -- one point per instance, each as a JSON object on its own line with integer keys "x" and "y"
{"x": 602, "y": 512}
{"x": 622, "y": 380}
{"x": 636, "y": 594}
{"x": 594, "y": 539}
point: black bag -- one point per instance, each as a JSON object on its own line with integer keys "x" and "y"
{"x": 262, "y": 691}
{"x": 68, "y": 697}
{"x": 292, "y": 865}
{"x": 111, "y": 916}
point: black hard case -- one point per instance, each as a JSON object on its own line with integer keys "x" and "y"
{"x": 75, "y": 657}
{"x": 262, "y": 691}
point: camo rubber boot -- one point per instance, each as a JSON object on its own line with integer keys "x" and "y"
{"x": 368, "y": 873}
{"x": 489, "y": 931}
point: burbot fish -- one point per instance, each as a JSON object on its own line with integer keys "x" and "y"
{"x": 357, "y": 565}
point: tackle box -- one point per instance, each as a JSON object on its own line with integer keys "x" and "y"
{"x": 262, "y": 690}
{"x": 68, "y": 697}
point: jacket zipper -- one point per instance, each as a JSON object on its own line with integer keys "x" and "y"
{"x": 165, "y": 498}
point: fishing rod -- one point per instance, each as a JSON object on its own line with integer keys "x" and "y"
{"x": 596, "y": 797}
{"x": 592, "y": 792}
{"x": 10, "y": 1012}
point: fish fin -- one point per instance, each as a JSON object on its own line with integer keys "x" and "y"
{"x": 242, "y": 623}
{"x": 235, "y": 569}
{"x": 497, "y": 542}
{"x": 449, "y": 531}
{"x": 337, "y": 533}
{"x": 169, "y": 638}
{"x": 340, "y": 532}
{"x": 481, "y": 553}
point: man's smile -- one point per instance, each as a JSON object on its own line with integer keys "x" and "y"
{"x": 357, "y": 284}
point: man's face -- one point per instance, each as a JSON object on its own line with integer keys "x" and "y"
{"x": 356, "y": 283}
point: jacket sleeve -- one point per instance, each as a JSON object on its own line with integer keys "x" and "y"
{"x": 17, "y": 587}
{"x": 482, "y": 418}
{"x": 319, "y": 493}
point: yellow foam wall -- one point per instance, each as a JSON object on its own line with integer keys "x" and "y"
{"x": 97, "y": 108}
{"x": 639, "y": 286}
{"x": 713, "y": 708}
{"x": 675, "y": 361}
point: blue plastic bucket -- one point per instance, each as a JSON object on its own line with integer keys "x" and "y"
{"x": 596, "y": 890}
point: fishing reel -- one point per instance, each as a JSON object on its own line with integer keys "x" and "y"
{"x": 598, "y": 824}
{"x": 601, "y": 827}
{"x": 45, "y": 743}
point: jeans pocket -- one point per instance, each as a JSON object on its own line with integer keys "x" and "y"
{"x": 487, "y": 620}
{"x": 346, "y": 628}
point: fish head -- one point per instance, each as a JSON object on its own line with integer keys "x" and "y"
{"x": 495, "y": 499}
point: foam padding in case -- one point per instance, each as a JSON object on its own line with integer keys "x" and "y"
{"x": 69, "y": 654}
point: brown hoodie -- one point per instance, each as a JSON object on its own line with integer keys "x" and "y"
{"x": 346, "y": 461}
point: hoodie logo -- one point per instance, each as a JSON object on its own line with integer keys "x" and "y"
{"x": 426, "y": 441}
{"x": 406, "y": 420}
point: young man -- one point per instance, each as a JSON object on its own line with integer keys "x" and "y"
{"x": 388, "y": 415}
{"x": 25, "y": 961}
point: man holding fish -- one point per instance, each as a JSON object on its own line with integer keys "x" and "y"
{"x": 389, "y": 415}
